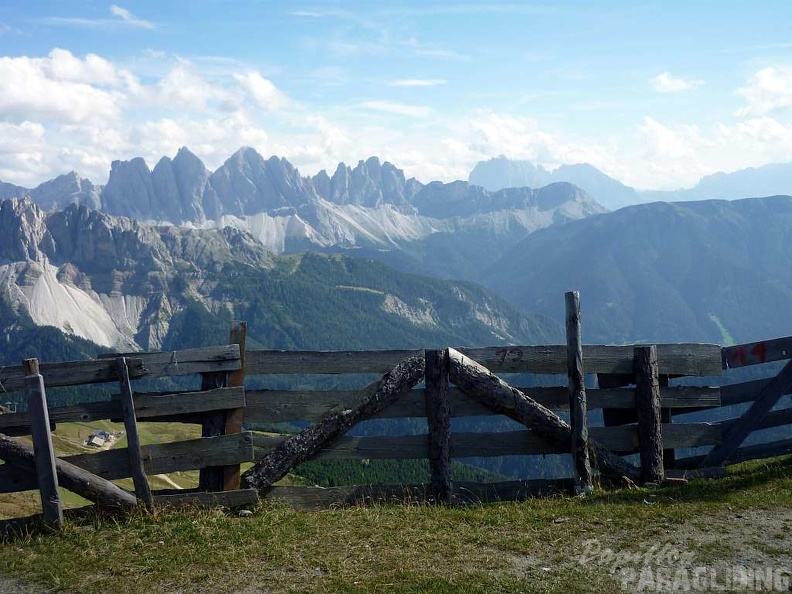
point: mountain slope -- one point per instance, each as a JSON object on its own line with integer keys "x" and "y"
{"x": 501, "y": 172}
{"x": 699, "y": 271}
{"x": 769, "y": 180}
{"x": 123, "y": 284}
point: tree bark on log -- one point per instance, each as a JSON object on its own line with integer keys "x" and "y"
{"x": 299, "y": 448}
{"x": 578, "y": 407}
{"x": 477, "y": 381}
{"x": 71, "y": 477}
{"x": 647, "y": 399}
{"x": 438, "y": 419}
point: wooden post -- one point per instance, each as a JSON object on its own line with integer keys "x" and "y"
{"x": 647, "y": 400}
{"x": 577, "y": 394}
{"x": 220, "y": 478}
{"x": 213, "y": 424}
{"x": 142, "y": 488}
{"x": 42, "y": 443}
{"x": 235, "y": 417}
{"x": 666, "y": 416}
{"x": 438, "y": 416}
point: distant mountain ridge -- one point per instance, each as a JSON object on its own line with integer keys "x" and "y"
{"x": 371, "y": 209}
{"x": 703, "y": 271}
{"x": 501, "y": 172}
{"x": 768, "y": 180}
{"x": 127, "y": 285}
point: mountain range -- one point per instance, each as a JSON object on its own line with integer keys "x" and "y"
{"x": 153, "y": 249}
{"x": 448, "y": 230}
{"x": 499, "y": 173}
{"x": 703, "y": 271}
{"x": 128, "y": 285}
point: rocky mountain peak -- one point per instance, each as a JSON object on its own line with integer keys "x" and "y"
{"x": 130, "y": 191}
{"x": 370, "y": 184}
{"x": 24, "y": 230}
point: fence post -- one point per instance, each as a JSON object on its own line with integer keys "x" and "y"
{"x": 667, "y": 417}
{"x": 577, "y": 394}
{"x": 235, "y": 417}
{"x": 139, "y": 479}
{"x": 42, "y": 443}
{"x": 221, "y": 478}
{"x": 647, "y": 400}
{"x": 438, "y": 413}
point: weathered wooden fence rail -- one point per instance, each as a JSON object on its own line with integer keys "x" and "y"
{"x": 222, "y": 406}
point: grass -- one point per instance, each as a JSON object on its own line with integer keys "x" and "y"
{"x": 531, "y": 546}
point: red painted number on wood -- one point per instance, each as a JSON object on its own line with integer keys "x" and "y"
{"x": 738, "y": 356}
{"x": 759, "y": 351}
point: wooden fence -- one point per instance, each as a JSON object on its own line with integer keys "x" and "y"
{"x": 638, "y": 409}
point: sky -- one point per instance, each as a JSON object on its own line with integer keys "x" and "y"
{"x": 656, "y": 94}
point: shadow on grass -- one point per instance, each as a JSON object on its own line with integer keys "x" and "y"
{"x": 743, "y": 477}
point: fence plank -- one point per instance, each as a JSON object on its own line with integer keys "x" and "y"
{"x": 230, "y": 499}
{"x": 161, "y": 458}
{"x": 743, "y": 392}
{"x": 438, "y": 407}
{"x": 149, "y": 406}
{"x": 71, "y": 373}
{"x": 44, "y": 454}
{"x": 740, "y": 429}
{"x": 576, "y": 378}
{"x": 752, "y": 452}
{"x": 755, "y": 353}
{"x": 142, "y": 489}
{"x": 675, "y": 359}
{"x": 330, "y": 362}
{"x": 186, "y": 362}
{"x": 278, "y": 406}
{"x": 623, "y": 439}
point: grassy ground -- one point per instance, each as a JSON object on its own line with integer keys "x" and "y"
{"x": 597, "y": 544}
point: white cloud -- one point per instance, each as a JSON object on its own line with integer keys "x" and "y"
{"x": 59, "y": 87}
{"x": 665, "y": 83}
{"x": 417, "y": 82}
{"x": 416, "y": 111}
{"x": 129, "y": 18}
{"x": 123, "y": 18}
{"x": 262, "y": 91}
{"x": 768, "y": 91}
{"x": 182, "y": 88}
{"x": 64, "y": 66}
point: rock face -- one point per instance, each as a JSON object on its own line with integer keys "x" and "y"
{"x": 129, "y": 285}
{"x": 108, "y": 279}
{"x": 371, "y": 208}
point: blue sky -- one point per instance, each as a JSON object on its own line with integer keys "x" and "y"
{"x": 656, "y": 94}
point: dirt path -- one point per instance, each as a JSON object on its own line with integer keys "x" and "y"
{"x": 746, "y": 550}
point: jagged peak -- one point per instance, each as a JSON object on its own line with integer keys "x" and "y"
{"x": 138, "y": 163}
